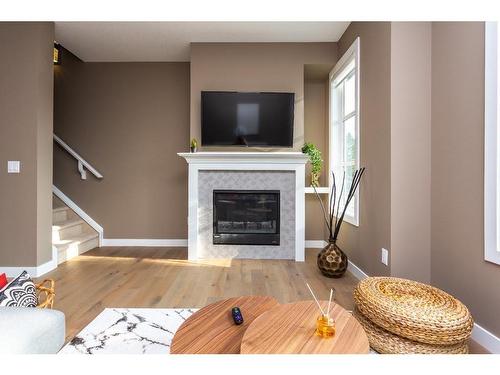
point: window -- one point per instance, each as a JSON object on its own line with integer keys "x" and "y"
{"x": 491, "y": 146}
{"x": 344, "y": 125}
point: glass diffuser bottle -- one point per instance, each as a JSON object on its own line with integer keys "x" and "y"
{"x": 325, "y": 326}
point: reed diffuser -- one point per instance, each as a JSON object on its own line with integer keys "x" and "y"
{"x": 325, "y": 324}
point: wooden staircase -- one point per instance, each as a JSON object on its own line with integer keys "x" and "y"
{"x": 71, "y": 235}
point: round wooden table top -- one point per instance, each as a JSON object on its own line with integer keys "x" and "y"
{"x": 290, "y": 329}
{"x": 211, "y": 330}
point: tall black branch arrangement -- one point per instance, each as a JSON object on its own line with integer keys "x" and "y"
{"x": 332, "y": 219}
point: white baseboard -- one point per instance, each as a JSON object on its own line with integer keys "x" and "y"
{"x": 68, "y": 202}
{"x": 486, "y": 339}
{"x": 315, "y": 244}
{"x": 45, "y": 268}
{"x": 33, "y": 271}
{"x": 144, "y": 242}
{"x": 356, "y": 271}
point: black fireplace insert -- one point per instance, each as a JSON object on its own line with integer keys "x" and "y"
{"x": 246, "y": 217}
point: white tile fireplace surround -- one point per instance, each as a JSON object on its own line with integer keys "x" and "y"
{"x": 283, "y": 171}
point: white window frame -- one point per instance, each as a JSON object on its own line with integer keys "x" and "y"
{"x": 491, "y": 146}
{"x": 338, "y": 75}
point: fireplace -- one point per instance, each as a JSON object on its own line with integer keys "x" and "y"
{"x": 246, "y": 217}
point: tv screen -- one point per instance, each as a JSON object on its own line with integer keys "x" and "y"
{"x": 247, "y": 119}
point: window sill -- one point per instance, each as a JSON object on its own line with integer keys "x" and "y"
{"x": 320, "y": 190}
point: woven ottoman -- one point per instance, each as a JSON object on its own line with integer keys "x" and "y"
{"x": 404, "y": 316}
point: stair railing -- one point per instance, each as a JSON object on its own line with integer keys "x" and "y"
{"x": 83, "y": 165}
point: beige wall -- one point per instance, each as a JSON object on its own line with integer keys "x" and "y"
{"x": 457, "y": 262}
{"x": 26, "y": 84}
{"x": 362, "y": 244}
{"x": 128, "y": 120}
{"x": 316, "y": 131}
{"x": 255, "y": 67}
{"x": 411, "y": 150}
{"x": 316, "y": 123}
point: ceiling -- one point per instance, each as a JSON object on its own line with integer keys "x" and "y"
{"x": 169, "y": 41}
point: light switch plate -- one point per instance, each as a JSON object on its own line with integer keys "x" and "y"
{"x": 385, "y": 256}
{"x": 13, "y": 166}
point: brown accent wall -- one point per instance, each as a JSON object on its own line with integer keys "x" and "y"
{"x": 255, "y": 67}
{"x": 26, "y": 94}
{"x": 362, "y": 244}
{"x": 457, "y": 261}
{"x": 411, "y": 150}
{"x": 129, "y": 121}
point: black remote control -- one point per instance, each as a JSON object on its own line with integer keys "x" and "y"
{"x": 237, "y": 317}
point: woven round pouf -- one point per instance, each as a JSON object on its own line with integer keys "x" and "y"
{"x": 385, "y": 342}
{"x": 413, "y": 310}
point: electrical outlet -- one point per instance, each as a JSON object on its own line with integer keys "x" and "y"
{"x": 13, "y": 166}
{"x": 385, "y": 256}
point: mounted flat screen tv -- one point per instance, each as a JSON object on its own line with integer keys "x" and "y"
{"x": 255, "y": 119}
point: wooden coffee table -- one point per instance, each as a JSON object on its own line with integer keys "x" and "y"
{"x": 290, "y": 329}
{"x": 211, "y": 330}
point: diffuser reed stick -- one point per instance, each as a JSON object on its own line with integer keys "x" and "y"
{"x": 322, "y": 312}
{"x": 329, "y": 301}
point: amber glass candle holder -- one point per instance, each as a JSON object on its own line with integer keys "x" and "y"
{"x": 325, "y": 326}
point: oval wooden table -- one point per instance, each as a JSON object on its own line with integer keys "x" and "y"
{"x": 290, "y": 329}
{"x": 211, "y": 330}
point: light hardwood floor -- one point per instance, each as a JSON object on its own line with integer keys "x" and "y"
{"x": 162, "y": 277}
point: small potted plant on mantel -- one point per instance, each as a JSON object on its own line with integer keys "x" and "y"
{"x": 316, "y": 162}
{"x": 194, "y": 145}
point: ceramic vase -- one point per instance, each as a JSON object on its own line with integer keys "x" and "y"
{"x": 332, "y": 261}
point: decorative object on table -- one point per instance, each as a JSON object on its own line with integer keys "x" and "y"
{"x": 332, "y": 261}
{"x": 45, "y": 294}
{"x": 407, "y": 316}
{"x": 290, "y": 329}
{"x": 316, "y": 162}
{"x": 325, "y": 325}
{"x": 211, "y": 330}
{"x": 129, "y": 331}
{"x": 193, "y": 145}
{"x": 20, "y": 292}
{"x": 237, "y": 317}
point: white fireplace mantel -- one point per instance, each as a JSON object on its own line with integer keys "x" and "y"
{"x": 248, "y": 161}
{"x": 244, "y": 157}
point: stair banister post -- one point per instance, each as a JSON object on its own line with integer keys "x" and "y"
{"x": 83, "y": 172}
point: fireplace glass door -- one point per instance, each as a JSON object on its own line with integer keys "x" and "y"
{"x": 244, "y": 217}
